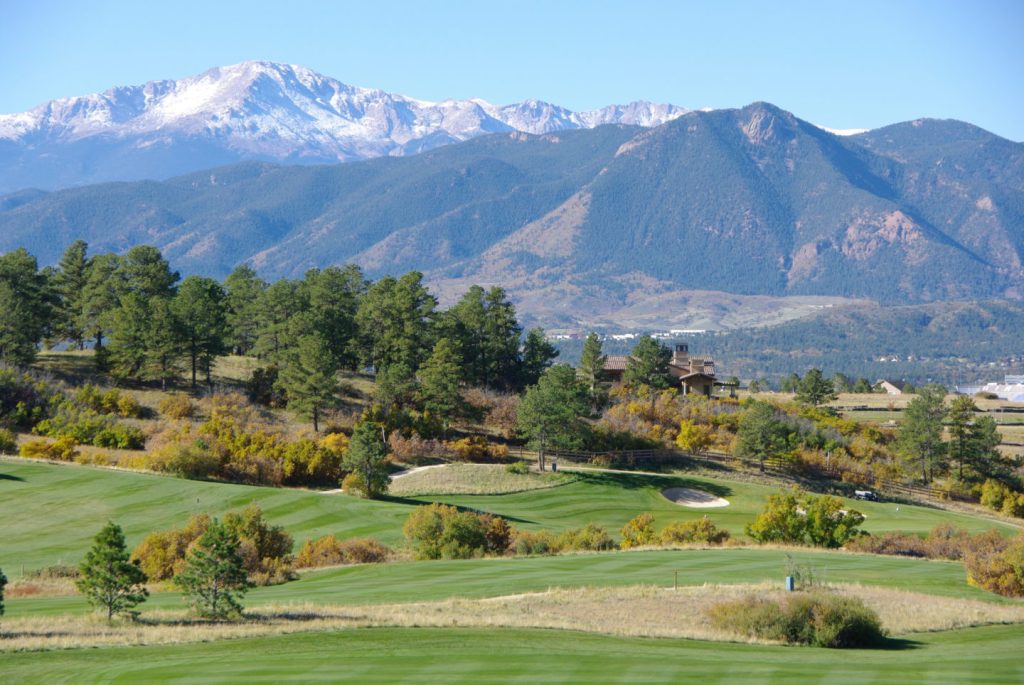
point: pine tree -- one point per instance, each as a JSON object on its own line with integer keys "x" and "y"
{"x": 366, "y": 456}
{"x": 243, "y": 292}
{"x": 592, "y": 363}
{"x": 538, "y": 355}
{"x": 395, "y": 320}
{"x": 920, "y": 436}
{"x": 648, "y": 365}
{"x": 109, "y": 580}
{"x": 24, "y": 307}
{"x": 69, "y": 282}
{"x": 309, "y": 378}
{"x": 200, "y": 309}
{"x": 333, "y": 295}
{"x": 439, "y": 382}
{"x": 549, "y": 413}
{"x": 99, "y": 298}
{"x": 214, "y": 579}
{"x": 814, "y": 389}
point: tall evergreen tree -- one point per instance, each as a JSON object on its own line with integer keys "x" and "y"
{"x": 439, "y": 382}
{"x": 592, "y": 363}
{"x": 973, "y": 439}
{"x": 108, "y": 578}
{"x": 200, "y": 308}
{"x": 501, "y": 340}
{"x": 24, "y": 307}
{"x": 143, "y": 271}
{"x": 69, "y": 283}
{"x": 244, "y": 289}
{"x": 279, "y": 306}
{"x": 465, "y": 324}
{"x": 648, "y": 364}
{"x": 309, "y": 378}
{"x": 920, "y": 436}
{"x": 214, "y": 579}
{"x": 333, "y": 295}
{"x": 99, "y": 298}
{"x": 538, "y": 355}
{"x": 395, "y": 321}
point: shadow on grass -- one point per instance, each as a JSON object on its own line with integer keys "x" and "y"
{"x": 7, "y": 476}
{"x": 896, "y": 644}
{"x": 634, "y": 481}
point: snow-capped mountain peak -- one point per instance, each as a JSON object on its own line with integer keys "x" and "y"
{"x": 284, "y": 112}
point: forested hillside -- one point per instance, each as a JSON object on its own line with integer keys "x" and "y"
{"x": 749, "y": 201}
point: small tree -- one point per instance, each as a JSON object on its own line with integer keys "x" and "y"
{"x": 109, "y": 580}
{"x": 814, "y": 389}
{"x": 549, "y": 412}
{"x": 761, "y": 434}
{"x": 214, "y": 579}
{"x": 3, "y": 584}
{"x": 366, "y": 456}
{"x": 694, "y": 438}
{"x": 591, "y": 369}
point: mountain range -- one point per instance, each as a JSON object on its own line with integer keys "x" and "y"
{"x": 748, "y": 215}
{"x": 257, "y": 111}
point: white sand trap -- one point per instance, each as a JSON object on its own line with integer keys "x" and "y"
{"x": 697, "y": 499}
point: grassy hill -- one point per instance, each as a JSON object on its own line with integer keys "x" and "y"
{"x": 52, "y": 511}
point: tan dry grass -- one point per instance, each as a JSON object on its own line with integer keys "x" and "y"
{"x": 639, "y": 611}
{"x": 473, "y": 479}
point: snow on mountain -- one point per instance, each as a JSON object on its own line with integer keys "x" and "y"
{"x": 274, "y": 111}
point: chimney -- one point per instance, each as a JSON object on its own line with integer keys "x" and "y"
{"x": 681, "y": 355}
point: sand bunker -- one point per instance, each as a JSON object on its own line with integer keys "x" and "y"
{"x": 698, "y": 499}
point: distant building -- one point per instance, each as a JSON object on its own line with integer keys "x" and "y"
{"x": 1013, "y": 392}
{"x": 891, "y": 387}
{"x": 695, "y": 374}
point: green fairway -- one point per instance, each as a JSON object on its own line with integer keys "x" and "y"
{"x": 52, "y": 511}
{"x": 433, "y": 580}
{"x": 455, "y": 655}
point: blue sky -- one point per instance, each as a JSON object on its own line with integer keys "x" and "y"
{"x": 838, "y": 64}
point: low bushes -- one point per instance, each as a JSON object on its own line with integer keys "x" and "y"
{"x": 589, "y": 538}
{"x": 330, "y": 551}
{"x": 943, "y": 542}
{"x": 640, "y": 532}
{"x": 799, "y": 519}
{"x": 177, "y": 407}
{"x": 110, "y": 401}
{"x": 86, "y": 426}
{"x": 700, "y": 531}
{"x": 265, "y": 549}
{"x": 439, "y": 531}
{"x": 997, "y": 567}
{"x": 61, "y": 449}
{"x": 1002, "y": 498}
{"x": 817, "y": 619}
{"x": 8, "y": 442}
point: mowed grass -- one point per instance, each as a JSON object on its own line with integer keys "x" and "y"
{"x": 52, "y": 511}
{"x": 474, "y": 656}
{"x": 413, "y": 581}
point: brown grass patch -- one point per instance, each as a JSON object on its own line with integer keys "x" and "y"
{"x": 639, "y": 611}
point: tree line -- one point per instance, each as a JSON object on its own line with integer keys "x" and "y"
{"x": 147, "y": 325}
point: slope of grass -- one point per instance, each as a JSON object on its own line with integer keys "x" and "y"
{"x": 459, "y": 655}
{"x": 52, "y": 511}
{"x": 434, "y": 580}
